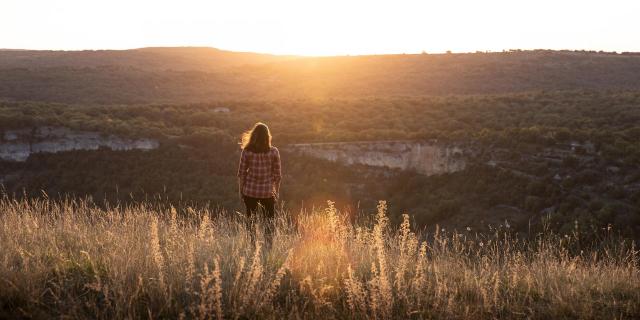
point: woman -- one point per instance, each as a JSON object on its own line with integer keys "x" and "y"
{"x": 259, "y": 171}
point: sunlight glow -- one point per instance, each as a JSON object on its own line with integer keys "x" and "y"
{"x": 329, "y": 27}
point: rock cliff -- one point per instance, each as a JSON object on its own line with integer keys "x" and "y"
{"x": 18, "y": 145}
{"x": 425, "y": 157}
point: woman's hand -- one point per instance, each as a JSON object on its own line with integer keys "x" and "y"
{"x": 240, "y": 189}
{"x": 276, "y": 191}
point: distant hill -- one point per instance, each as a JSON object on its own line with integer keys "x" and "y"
{"x": 171, "y": 75}
{"x": 156, "y": 59}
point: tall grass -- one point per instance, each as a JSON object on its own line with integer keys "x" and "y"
{"x": 72, "y": 259}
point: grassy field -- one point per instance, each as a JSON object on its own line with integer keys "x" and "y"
{"x": 73, "y": 259}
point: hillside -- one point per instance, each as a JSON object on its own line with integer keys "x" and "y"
{"x": 184, "y": 75}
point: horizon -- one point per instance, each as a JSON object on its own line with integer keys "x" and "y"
{"x": 337, "y": 55}
{"x": 330, "y": 28}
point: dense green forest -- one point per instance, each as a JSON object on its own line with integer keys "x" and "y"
{"x": 185, "y": 75}
{"x": 539, "y": 176}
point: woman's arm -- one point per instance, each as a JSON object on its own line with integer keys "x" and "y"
{"x": 276, "y": 172}
{"x": 243, "y": 167}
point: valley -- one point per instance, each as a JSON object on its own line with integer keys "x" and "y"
{"x": 459, "y": 140}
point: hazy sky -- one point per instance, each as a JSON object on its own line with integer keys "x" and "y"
{"x": 323, "y": 27}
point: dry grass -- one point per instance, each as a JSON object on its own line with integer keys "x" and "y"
{"x": 71, "y": 259}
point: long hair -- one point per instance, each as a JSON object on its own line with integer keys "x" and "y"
{"x": 258, "y": 139}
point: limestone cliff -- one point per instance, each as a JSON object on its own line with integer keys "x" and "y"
{"x": 425, "y": 157}
{"x": 18, "y": 145}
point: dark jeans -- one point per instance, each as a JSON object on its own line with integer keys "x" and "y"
{"x": 267, "y": 205}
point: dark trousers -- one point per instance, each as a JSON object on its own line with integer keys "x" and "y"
{"x": 254, "y": 205}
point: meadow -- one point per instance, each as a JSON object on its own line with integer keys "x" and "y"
{"x": 72, "y": 258}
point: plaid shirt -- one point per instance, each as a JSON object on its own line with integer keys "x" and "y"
{"x": 259, "y": 173}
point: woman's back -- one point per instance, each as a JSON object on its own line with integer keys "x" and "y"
{"x": 260, "y": 171}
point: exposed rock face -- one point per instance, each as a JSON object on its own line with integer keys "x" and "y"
{"x": 18, "y": 145}
{"x": 426, "y": 157}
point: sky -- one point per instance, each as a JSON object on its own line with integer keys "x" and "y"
{"x": 325, "y": 27}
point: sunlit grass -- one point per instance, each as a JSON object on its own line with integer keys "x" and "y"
{"x": 73, "y": 259}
